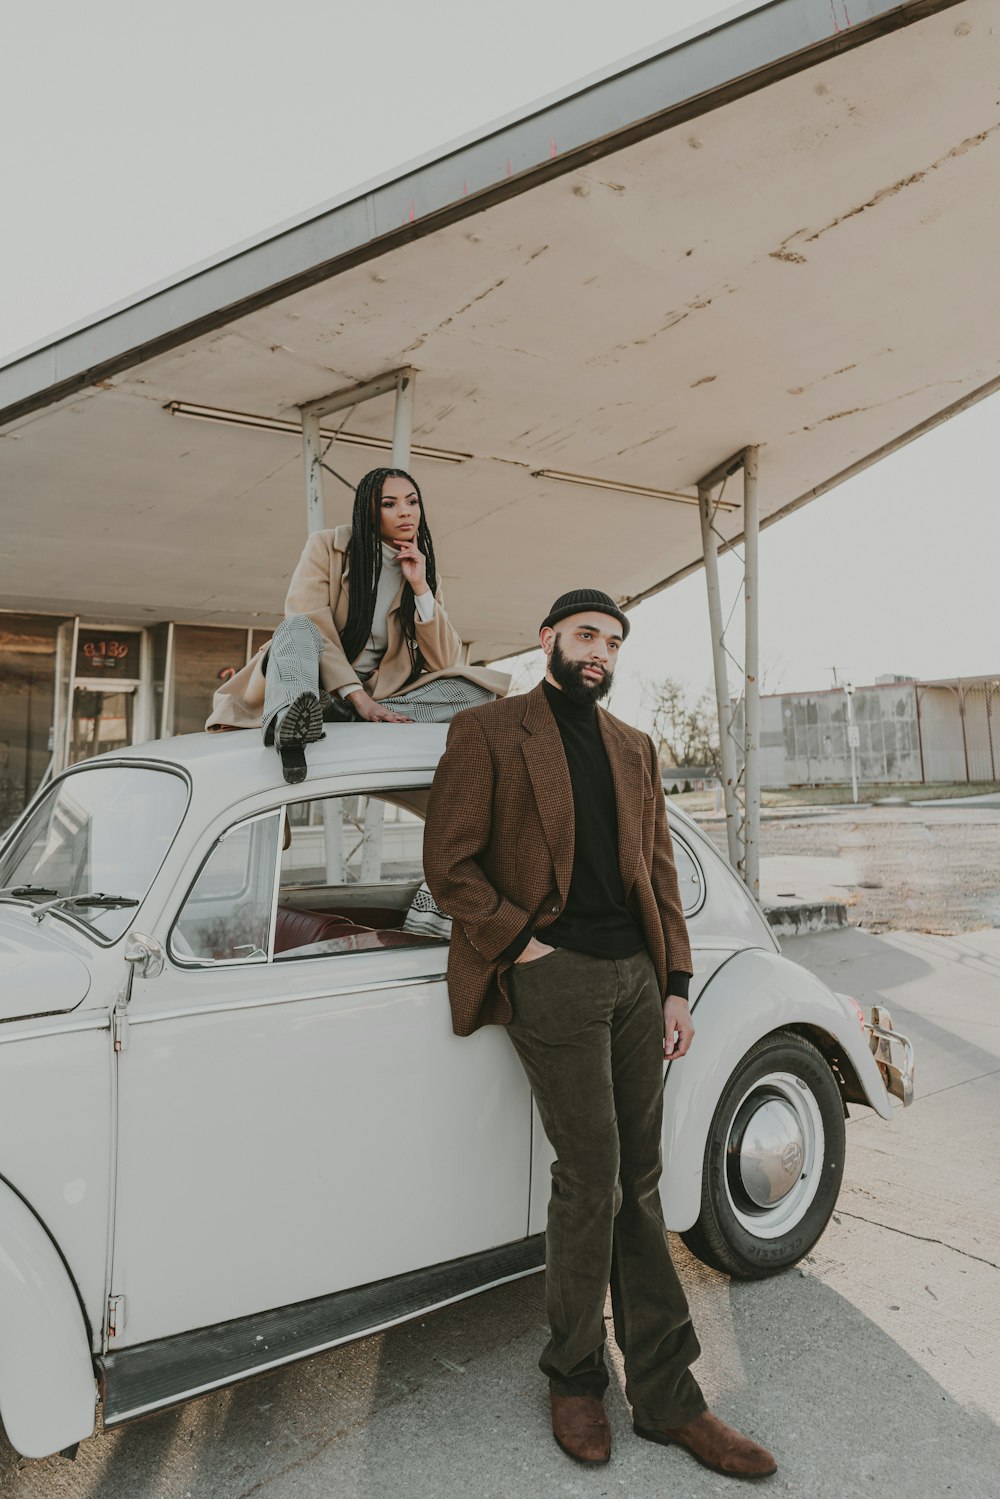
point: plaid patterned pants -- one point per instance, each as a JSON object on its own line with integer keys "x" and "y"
{"x": 292, "y": 667}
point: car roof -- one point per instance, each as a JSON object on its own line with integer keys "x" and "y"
{"x": 242, "y": 765}
{"x": 237, "y": 764}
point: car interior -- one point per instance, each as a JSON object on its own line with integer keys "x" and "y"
{"x": 340, "y": 907}
{"x": 350, "y": 880}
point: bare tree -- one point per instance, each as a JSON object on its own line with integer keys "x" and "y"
{"x": 772, "y": 672}
{"x": 684, "y": 732}
{"x": 665, "y": 704}
{"x": 705, "y": 732}
{"x": 525, "y": 671}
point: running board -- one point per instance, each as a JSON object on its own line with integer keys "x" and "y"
{"x": 135, "y": 1381}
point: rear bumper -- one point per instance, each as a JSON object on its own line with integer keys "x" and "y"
{"x": 893, "y": 1055}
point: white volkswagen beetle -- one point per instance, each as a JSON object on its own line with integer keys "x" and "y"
{"x": 249, "y": 1133}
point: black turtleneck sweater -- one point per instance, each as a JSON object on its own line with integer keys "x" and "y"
{"x": 596, "y": 918}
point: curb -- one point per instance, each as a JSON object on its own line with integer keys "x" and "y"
{"x": 794, "y": 921}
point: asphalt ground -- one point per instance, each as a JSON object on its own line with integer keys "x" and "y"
{"x": 869, "y": 1369}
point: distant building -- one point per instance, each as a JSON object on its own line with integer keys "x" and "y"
{"x": 907, "y": 731}
{"x": 688, "y": 778}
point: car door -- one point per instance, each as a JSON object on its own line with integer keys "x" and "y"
{"x": 295, "y": 1113}
{"x": 712, "y": 941}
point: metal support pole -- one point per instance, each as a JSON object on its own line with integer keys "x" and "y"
{"x": 371, "y": 848}
{"x": 989, "y": 729}
{"x": 313, "y": 468}
{"x": 726, "y": 747}
{"x": 402, "y": 421}
{"x": 920, "y": 736}
{"x": 965, "y": 739}
{"x": 401, "y": 381}
{"x": 751, "y": 713}
{"x": 333, "y": 839}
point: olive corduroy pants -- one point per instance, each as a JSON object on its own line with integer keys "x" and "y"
{"x": 589, "y": 1034}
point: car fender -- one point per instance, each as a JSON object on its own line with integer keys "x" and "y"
{"x": 48, "y": 1394}
{"x": 753, "y": 994}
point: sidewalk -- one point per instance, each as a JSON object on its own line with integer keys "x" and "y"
{"x": 988, "y": 799}
{"x": 805, "y": 893}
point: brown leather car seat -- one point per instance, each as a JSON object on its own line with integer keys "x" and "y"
{"x": 300, "y": 928}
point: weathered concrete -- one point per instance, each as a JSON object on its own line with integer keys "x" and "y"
{"x": 931, "y": 869}
{"x": 804, "y": 893}
{"x": 799, "y": 920}
{"x": 872, "y": 1369}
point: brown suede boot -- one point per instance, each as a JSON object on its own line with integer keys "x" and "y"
{"x": 581, "y": 1428}
{"x": 716, "y": 1446}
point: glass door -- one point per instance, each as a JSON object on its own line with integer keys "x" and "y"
{"x": 109, "y": 688}
{"x": 101, "y": 719}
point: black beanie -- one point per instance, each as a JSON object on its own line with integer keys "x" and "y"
{"x": 579, "y": 600}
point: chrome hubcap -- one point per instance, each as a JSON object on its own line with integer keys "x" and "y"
{"x": 774, "y": 1155}
{"x": 771, "y": 1151}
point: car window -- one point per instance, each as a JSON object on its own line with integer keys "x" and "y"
{"x": 227, "y": 916}
{"x": 689, "y": 877}
{"x": 105, "y": 828}
{"x": 352, "y": 879}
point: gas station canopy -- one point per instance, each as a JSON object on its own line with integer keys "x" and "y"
{"x": 781, "y": 233}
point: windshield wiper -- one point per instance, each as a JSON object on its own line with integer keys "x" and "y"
{"x": 81, "y": 902}
{"x": 25, "y": 892}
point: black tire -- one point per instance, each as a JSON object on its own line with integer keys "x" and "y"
{"x": 737, "y": 1232}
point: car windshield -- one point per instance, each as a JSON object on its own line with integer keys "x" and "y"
{"x": 102, "y": 829}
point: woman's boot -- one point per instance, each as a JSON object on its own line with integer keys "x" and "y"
{"x": 293, "y": 716}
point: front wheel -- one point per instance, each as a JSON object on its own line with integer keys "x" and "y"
{"x": 774, "y": 1160}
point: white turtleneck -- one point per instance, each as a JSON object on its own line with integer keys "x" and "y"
{"x": 389, "y": 582}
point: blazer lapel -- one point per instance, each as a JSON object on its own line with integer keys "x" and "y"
{"x": 545, "y": 759}
{"x": 626, "y": 772}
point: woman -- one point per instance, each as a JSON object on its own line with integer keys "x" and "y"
{"x": 365, "y": 633}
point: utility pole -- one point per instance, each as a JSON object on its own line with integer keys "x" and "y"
{"x": 853, "y": 737}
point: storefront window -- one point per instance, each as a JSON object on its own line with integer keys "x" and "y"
{"x": 204, "y": 657}
{"x": 27, "y": 697}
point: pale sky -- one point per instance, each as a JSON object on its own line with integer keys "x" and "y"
{"x": 142, "y": 141}
{"x": 894, "y": 571}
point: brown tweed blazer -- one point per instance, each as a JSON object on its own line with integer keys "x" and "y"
{"x": 498, "y": 844}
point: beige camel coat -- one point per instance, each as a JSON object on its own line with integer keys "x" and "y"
{"x": 319, "y": 589}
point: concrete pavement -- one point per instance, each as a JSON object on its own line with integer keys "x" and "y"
{"x": 988, "y": 799}
{"x": 917, "y": 869}
{"x": 870, "y": 1370}
{"x": 805, "y": 892}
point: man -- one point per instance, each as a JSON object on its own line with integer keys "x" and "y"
{"x": 547, "y": 843}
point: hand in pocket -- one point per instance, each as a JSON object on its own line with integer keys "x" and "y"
{"x": 533, "y": 952}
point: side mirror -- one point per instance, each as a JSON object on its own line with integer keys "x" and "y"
{"x": 145, "y": 953}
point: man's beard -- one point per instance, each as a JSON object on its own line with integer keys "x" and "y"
{"x": 569, "y": 675}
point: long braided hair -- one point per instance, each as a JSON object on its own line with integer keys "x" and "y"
{"x": 365, "y": 553}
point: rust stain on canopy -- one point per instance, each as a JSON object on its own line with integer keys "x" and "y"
{"x": 914, "y": 178}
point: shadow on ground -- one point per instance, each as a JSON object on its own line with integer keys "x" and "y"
{"x": 452, "y": 1406}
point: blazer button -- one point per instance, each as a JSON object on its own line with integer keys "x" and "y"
{"x": 555, "y": 910}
